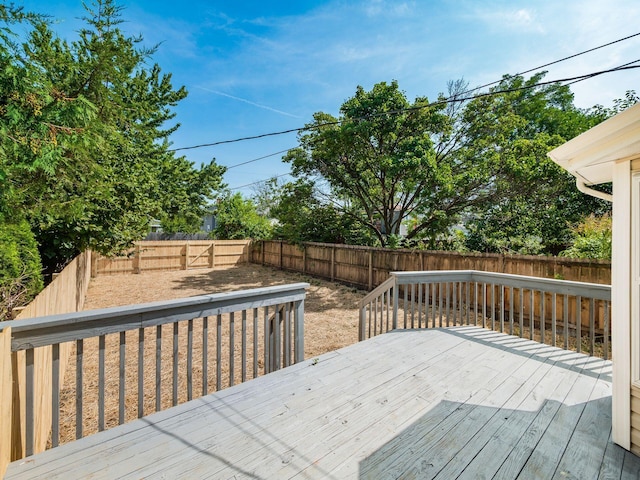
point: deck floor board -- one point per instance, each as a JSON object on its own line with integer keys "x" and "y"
{"x": 461, "y": 402}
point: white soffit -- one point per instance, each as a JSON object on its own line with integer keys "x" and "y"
{"x": 591, "y": 155}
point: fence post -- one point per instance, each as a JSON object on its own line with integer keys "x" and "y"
{"x": 212, "y": 255}
{"x": 6, "y": 392}
{"x": 136, "y": 259}
{"x": 187, "y": 253}
{"x": 370, "y": 269}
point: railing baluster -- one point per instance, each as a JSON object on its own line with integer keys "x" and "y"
{"x": 454, "y": 307}
{"x": 121, "y": 377}
{"x": 219, "y": 352}
{"x": 388, "y": 295}
{"x": 521, "y": 319}
{"x": 484, "y": 305}
{"x": 543, "y": 319}
{"x": 419, "y": 290}
{"x": 287, "y": 335}
{"x": 140, "y": 372}
{"x": 267, "y": 340}
{"x": 467, "y": 307}
{"x": 244, "y": 346}
{"x": 255, "y": 343}
{"x": 531, "y": 314}
{"x": 158, "y": 368}
{"x": 592, "y": 326}
{"x": 277, "y": 334}
{"x": 232, "y": 348}
{"x": 174, "y": 396}
{"x": 501, "y": 308}
{"x": 440, "y": 305}
{"x": 606, "y": 330}
{"x": 434, "y": 304}
{"x": 29, "y": 403}
{"x": 413, "y": 303}
{"x": 55, "y": 393}
{"x": 101, "y": 382}
{"x": 565, "y": 317}
{"x": 553, "y": 319}
{"x": 205, "y": 356}
{"x": 79, "y": 372}
{"x": 446, "y": 293}
{"x": 190, "y": 359}
{"x": 579, "y": 324}
{"x": 370, "y": 322}
{"x": 405, "y": 294}
{"x": 511, "y": 302}
{"x": 493, "y": 306}
{"x": 475, "y": 303}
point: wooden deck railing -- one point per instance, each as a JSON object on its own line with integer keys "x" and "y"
{"x": 574, "y": 315}
{"x": 123, "y": 349}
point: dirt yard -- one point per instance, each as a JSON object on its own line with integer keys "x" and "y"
{"x": 331, "y": 322}
{"x": 330, "y": 318}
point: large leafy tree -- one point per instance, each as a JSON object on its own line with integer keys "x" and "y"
{"x": 237, "y": 218}
{"x": 85, "y": 155}
{"x": 536, "y": 201}
{"x": 378, "y": 155}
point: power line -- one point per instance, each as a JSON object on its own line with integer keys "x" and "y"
{"x": 259, "y": 158}
{"x": 260, "y": 181}
{"x": 445, "y": 101}
{"x": 570, "y": 80}
{"x": 560, "y": 60}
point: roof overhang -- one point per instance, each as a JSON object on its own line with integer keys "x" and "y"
{"x": 590, "y": 156}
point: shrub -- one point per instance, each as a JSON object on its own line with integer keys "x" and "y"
{"x": 20, "y": 267}
{"x": 591, "y": 239}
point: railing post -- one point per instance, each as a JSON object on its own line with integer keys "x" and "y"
{"x": 298, "y": 344}
{"x": 362, "y": 331}
{"x": 6, "y": 393}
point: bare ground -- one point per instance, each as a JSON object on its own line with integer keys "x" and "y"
{"x": 331, "y": 322}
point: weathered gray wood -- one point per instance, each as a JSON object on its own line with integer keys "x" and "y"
{"x": 232, "y": 348}
{"x": 255, "y": 343}
{"x": 79, "y": 373}
{"x": 121, "y": 376}
{"x": 174, "y": 375}
{"x": 101, "y": 383}
{"x": 140, "y": 372}
{"x": 35, "y": 332}
{"x": 243, "y": 345}
{"x": 55, "y": 395}
{"x": 190, "y": 360}
{"x": 205, "y": 356}
{"x": 219, "y": 352}
{"x": 158, "y": 368}
{"x": 298, "y": 345}
{"x": 465, "y": 400}
{"x": 29, "y": 402}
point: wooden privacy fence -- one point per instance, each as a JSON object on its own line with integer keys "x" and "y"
{"x": 368, "y": 267}
{"x": 65, "y": 294}
{"x": 174, "y": 255}
{"x": 575, "y": 315}
{"x": 134, "y": 360}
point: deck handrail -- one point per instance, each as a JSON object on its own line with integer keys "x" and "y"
{"x": 551, "y": 310}
{"x": 282, "y": 340}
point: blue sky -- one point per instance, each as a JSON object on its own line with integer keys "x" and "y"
{"x": 253, "y": 67}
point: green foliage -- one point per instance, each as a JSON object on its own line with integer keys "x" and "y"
{"x": 20, "y": 267}
{"x": 534, "y": 198}
{"x": 591, "y": 239}
{"x": 84, "y": 126}
{"x": 237, "y": 218}
{"x": 301, "y": 217}
{"x": 381, "y": 162}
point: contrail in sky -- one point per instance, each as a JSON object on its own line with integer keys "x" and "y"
{"x": 249, "y": 102}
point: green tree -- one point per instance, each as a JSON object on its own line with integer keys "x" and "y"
{"x": 535, "y": 199}
{"x": 378, "y": 155}
{"x": 302, "y": 217}
{"x": 237, "y": 218}
{"x": 84, "y": 154}
{"x": 592, "y": 238}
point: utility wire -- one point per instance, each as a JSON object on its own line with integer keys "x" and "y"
{"x": 259, "y": 158}
{"x": 445, "y": 101}
{"x": 570, "y": 80}
{"x": 560, "y": 60}
{"x": 260, "y": 181}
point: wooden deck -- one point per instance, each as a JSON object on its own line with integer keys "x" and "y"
{"x": 441, "y": 403}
